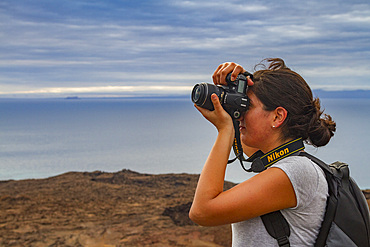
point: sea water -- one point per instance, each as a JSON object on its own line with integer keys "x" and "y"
{"x": 45, "y": 137}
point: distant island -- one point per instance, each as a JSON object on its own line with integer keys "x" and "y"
{"x": 72, "y": 97}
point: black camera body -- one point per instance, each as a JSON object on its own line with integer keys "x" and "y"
{"x": 233, "y": 97}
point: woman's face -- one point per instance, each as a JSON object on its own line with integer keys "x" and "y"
{"x": 256, "y": 124}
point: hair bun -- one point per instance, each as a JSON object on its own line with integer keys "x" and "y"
{"x": 276, "y": 85}
{"x": 322, "y": 126}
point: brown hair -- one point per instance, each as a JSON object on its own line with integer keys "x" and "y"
{"x": 277, "y": 86}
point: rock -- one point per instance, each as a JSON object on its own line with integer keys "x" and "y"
{"x": 179, "y": 214}
{"x": 367, "y": 196}
{"x": 125, "y": 208}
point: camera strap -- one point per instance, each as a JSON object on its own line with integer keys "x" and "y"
{"x": 238, "y": 149}
{"x": 266, "y": 160}
{"x": 237, "y": 145}
{"x": 261, "y": 161}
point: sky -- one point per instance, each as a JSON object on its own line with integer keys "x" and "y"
{"x": 164, "y": 47}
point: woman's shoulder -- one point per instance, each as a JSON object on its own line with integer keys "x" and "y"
{"x": 299, "y": 165}
{"x": 306, "y": 177}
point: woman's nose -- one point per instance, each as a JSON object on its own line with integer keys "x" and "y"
{"x": 241, "y": 118}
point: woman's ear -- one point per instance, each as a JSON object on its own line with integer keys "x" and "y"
{"x": 280, "y": 115}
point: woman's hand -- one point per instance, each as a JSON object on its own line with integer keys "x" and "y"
{"x": 219, "y": 76}
{"x": 218, "y": 117}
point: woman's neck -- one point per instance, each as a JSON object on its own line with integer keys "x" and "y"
{"x": 274, "y": 144}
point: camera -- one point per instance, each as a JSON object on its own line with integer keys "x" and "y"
{"x": 233, "y": 97}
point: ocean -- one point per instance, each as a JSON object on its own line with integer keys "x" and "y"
{"x": 40, "y": 138}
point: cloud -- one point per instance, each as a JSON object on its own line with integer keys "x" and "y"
{"x": 359, "y": 16}
{"x": 87, "y": 44}
{"x": 231, "y": 7}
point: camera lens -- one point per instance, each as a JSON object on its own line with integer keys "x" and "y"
{"x": 201, "y": 95}
{"x": 196, "y": 93}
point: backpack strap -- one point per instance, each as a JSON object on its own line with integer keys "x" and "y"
{"x": 332, "y": 202}
{"x": 274, "y": 222}
{"x": 345, "y": 198}
{"x": 277, "y": 226}
{"x": 323, "y": 166}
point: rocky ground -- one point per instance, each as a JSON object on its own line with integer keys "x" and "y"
{"x": 104, "y": 209}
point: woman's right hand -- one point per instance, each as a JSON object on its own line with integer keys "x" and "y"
{"x": 218, "y": 117}
{"x": 219, "y": 76}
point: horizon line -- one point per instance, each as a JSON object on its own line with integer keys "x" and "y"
{"x": 134, "y": 91}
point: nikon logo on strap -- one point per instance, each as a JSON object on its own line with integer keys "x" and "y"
{"x": 266, "y": 160}
{"x": 277, "y": 155}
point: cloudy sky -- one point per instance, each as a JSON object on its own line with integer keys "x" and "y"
{"x": 147, "y": 47}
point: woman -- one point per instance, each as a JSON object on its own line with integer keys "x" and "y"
{"x": 281, "y": 109}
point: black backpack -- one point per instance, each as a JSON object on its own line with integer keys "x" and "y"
{"x": 346, "y": 220}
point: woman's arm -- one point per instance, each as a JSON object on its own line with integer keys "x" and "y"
{"x": 211, "y": 180}
{"x": 268, "y": 191}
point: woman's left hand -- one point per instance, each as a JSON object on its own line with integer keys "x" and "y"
{"x": 218, "y": 117}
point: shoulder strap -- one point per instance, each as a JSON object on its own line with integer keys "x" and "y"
{"x": 275, "y": 223}
{"x": 345, "y": 198}
{"x": 332, "y": 201}
{"x": 277, "y": 226}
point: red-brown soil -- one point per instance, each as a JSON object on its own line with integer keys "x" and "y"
{"x": 105, "y": 209}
